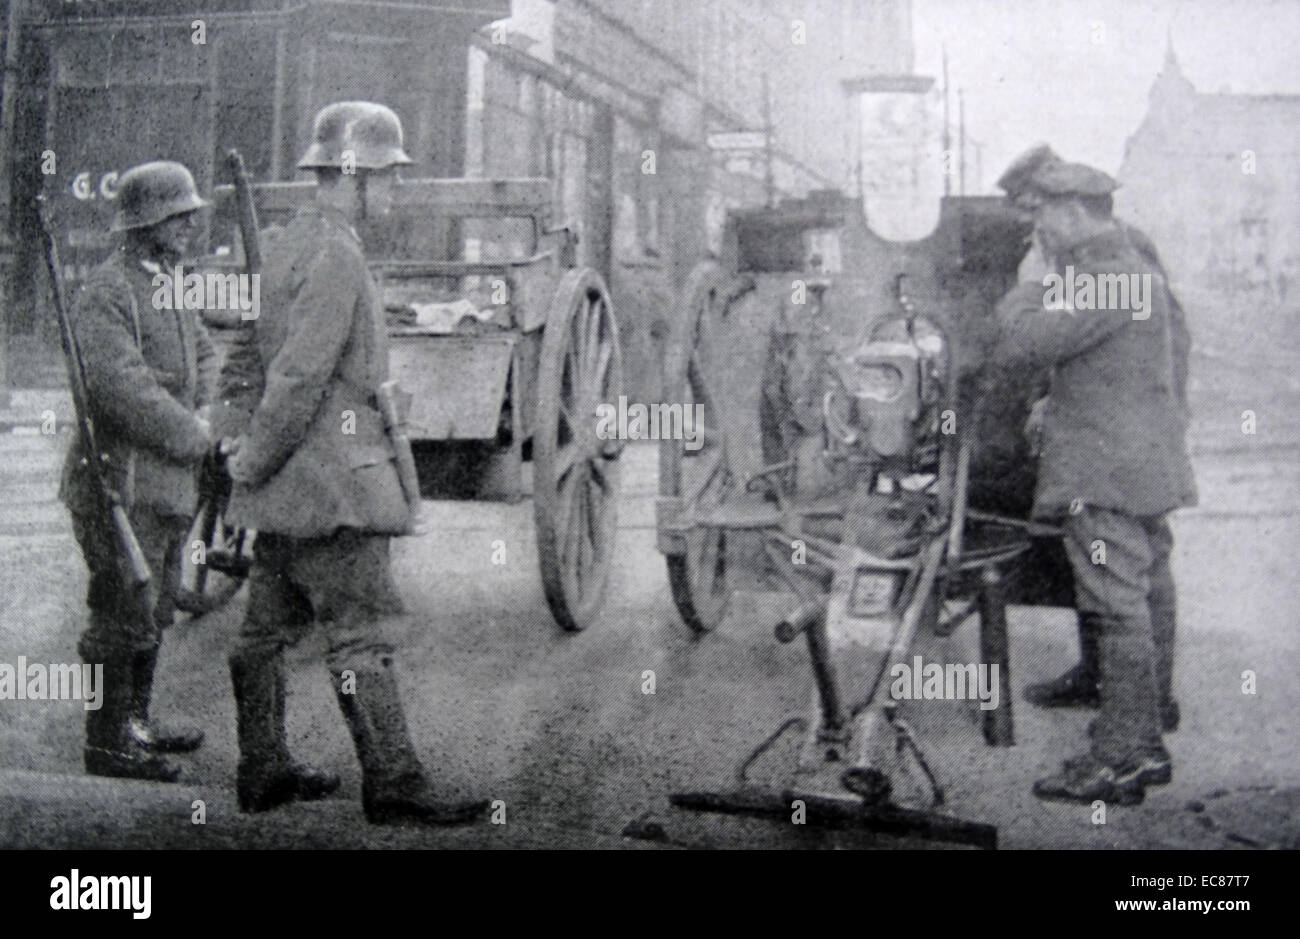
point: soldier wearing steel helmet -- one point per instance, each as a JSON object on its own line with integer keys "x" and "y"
{"x": 150, "y": 374}
{"x": 1032, "y": 177}
{"x": 313, "y": 473}
{"x": 1114, "y": 463}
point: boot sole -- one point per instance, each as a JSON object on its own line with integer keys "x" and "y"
{"x": 133, "y": 770}
{"x": 282, "y": 792}
{"x": 1128, "y": 794}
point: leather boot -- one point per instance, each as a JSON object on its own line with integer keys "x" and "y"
{"x": 268, "y": 776}
{"x": 1083, "y": 779}
{"x": 1164, "y": 616}
{"x": 150, "y": 734}
{"x": 1129, "y": 720}
{"x": 111, "y": 749}
{"x": 394, "y": 788}
{"x": 1077, "y": 686}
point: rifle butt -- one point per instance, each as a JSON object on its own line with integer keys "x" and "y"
{"x": 129, "y": 550}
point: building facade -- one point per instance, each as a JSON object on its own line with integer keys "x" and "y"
{"x": 654, "y": 116}
{"x": 1215, "y": 180}
{"x": 616, "y": 101}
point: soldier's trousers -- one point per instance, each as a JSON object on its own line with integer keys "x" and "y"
{"x": 341, "y": 581}
{"x": 1121, "y": 574}
{"x": 117, "y": 629}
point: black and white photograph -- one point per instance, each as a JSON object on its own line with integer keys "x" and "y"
{"x": 650, "y": 426}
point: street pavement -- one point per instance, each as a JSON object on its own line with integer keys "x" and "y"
{"x": 556, "y": 726}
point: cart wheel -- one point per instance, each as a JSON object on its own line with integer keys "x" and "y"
{"x": 697, "y": 570}
{"x": 575, "y": 472}
{"x": 210, "y": 585}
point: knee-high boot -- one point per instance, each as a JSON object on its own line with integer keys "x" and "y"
{"x": 111, "y": 749}
{"x": 1077, "y": 686}
{"x": 150, "y": 734}
{"x": 267, "y": 775}
{"x": 1164, "y": 618}
{"x": 395, "y": 788}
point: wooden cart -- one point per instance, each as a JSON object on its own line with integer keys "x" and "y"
{"x": 506, "y": 349}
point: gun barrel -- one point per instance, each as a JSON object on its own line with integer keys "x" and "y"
{"x": 247, "y": 212}
{"x": 110, "y": 502}
{"x": 800, "y": 619}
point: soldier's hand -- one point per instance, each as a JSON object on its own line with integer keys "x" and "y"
{"x": 1034, "y": 266}
{"x": 235, "y": 467}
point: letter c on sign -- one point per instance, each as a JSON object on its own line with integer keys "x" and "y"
{"x": 108, "y": 185}
{"x": 81, "y": 186}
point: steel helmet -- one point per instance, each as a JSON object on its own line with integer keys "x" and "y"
{"x": 153, "y": 192}
{"x": 371, "y": 132}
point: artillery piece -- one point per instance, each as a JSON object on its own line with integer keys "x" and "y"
{"x": 876, "y": 473}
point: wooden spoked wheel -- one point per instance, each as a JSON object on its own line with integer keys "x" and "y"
{"x": 575, "y": 470}
{"x": 697, "y": 480}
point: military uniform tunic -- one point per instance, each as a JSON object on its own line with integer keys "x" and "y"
{"x": 314, "y": 473}
{"x": 143, "y": 394}
{"x": 1114, "y": 460}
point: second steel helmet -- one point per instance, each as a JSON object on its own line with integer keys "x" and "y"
{"x": 153, "y": 192}
{"x": 370, "y": 132}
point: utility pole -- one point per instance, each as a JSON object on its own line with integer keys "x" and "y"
{"x": 961, "y": 137}
{"x": 769, "y": 180}
{"x": 8, "y": 104}
{"x": 947, "y": 138}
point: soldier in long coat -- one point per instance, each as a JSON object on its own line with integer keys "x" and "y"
{"x": 149, "y": 373}
{"x": 314, "y": 474}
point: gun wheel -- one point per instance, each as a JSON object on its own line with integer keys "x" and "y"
{"x": 575, "y": 471}
{"x": 697, "y": 479}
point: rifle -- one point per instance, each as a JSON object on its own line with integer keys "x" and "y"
{"x": 224, "y": 549}
{"x": 109, "y": 500}
{"x": 247, "y": 213}
{"x": 214, "y": 481}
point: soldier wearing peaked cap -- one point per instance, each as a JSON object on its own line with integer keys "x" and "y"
{"x": 1032, "y": 177}
{"x": 150, "y": 374}
{"x": 1057, "y": 178}
{"x": 1114, "y": 464}
{"x": 324, "y": 502}
{"x": 1016, "y": 180}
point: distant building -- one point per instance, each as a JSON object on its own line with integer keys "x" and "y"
{"x": 1214, "y": 179}
{"x": 643, "y": 113}
{"x": 652, "y": 117}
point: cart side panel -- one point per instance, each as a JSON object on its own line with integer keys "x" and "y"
{"x": 458, "y": 383}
